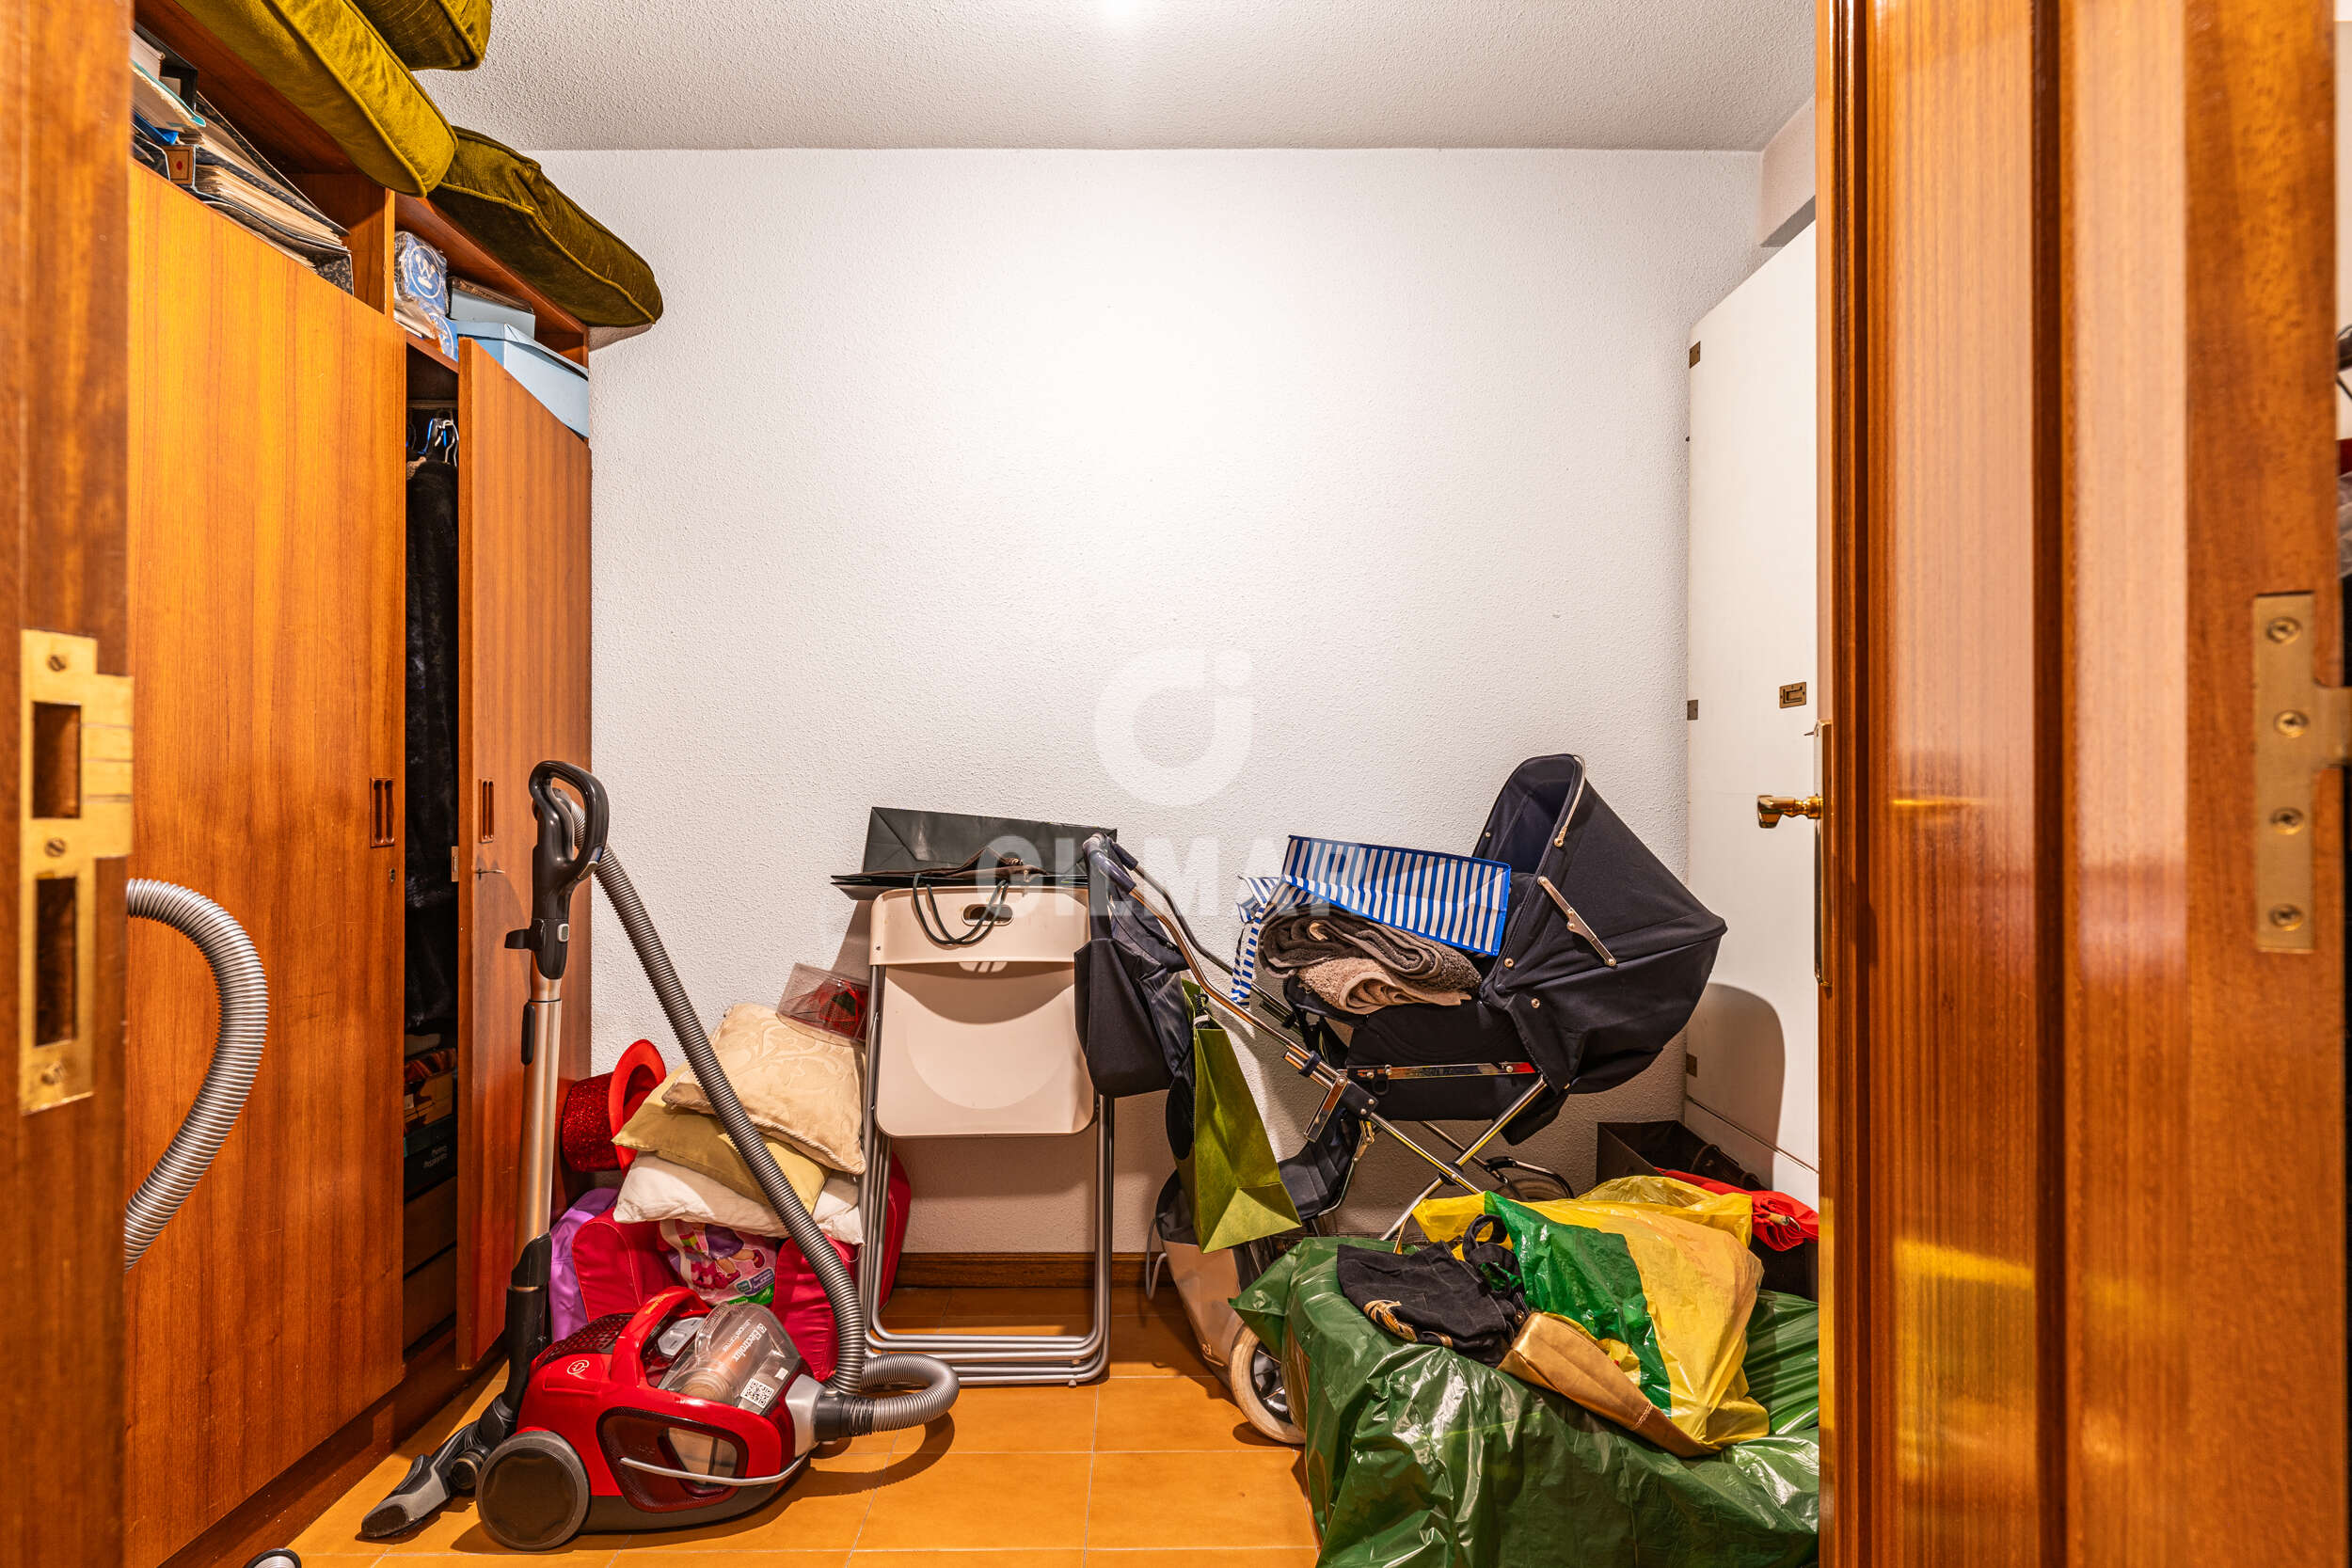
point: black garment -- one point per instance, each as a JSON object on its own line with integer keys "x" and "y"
{"x": 431, "y": 740}
{"x": 1131, "y": 1000}
{"x": 1465, "y": 1297}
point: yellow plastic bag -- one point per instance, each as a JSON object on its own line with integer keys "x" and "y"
{"x": 1651, "y": 1283}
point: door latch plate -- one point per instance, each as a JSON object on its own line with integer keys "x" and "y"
{"x": 74, "y": 799}
{"x": 2300, "y": 729}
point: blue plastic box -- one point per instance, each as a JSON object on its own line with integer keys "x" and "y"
{"x": 554, "y": 380}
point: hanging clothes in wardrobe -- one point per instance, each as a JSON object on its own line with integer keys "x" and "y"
{"x": 432, "y": 734}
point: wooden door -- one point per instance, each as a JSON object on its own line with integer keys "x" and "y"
{"x": 2083, "y": 1178}
{"x": 1938, "y": 656}
{"x": 266, "y": 560}
{"x": 523, "y": 586}
{"x": 62, "y": 502}
{"x": 1750, "y": 1051}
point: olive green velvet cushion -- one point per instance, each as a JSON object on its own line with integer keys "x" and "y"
{"x": 433, "y": 35}
{"x": 325, "y": 60}
{"x": 506, "y": 201}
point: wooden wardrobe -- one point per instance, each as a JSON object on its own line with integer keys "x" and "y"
{"x": 267, "y": 575}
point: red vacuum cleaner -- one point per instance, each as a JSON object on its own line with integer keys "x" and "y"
{"x": 676, "y": 1414}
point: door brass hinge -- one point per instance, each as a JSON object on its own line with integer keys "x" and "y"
{"x": 2300, "y": 728}
{"x": 74, "y": 799}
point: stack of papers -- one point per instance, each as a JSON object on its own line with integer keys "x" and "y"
{"x": 190, "y": 144}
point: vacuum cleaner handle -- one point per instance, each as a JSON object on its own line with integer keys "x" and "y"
{"x": 558, "y": 863}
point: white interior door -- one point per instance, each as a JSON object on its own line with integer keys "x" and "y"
{"x": 1754, "y": 1084}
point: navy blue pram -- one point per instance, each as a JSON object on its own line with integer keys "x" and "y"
{"x": 1604, "y": 957}
{"x": 1605, "y": 954}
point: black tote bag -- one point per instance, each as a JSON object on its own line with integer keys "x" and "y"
{"x": 901, "y": 844}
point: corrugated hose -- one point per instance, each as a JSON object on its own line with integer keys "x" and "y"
{"x": 244, "y": 992}
{"x": 852, "y": 1412}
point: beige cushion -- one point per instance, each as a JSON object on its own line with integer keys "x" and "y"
{"x": 698, "y": 1143}
{"x": 657, "y": 1190}
{"x": 800, "y": 1082}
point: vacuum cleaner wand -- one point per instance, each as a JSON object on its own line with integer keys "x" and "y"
{"x": 568, "y": 845}
{"x": 845, "y": 1410}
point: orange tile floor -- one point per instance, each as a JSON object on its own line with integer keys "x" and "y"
{"x": 1150, "y": 1467}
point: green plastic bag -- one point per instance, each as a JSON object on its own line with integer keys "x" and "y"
{"x": 1784, "y": 1364}
{"x": 1230, "y": 1174}
{"x": 1417, "y": 1457}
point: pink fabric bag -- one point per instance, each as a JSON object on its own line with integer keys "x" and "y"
{"x": 800, "y": 1301}
{"x": 563, "y": 1305}
{"x": 599, "y": 1265}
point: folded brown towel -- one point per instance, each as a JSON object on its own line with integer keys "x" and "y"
{"x": 1363, "y": 986}
{"x": 1293, "y": 941}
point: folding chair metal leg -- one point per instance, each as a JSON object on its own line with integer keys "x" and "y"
{"x": 977, "y": 1358}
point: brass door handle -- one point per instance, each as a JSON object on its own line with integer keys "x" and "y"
{"x": 1770, "y": 809}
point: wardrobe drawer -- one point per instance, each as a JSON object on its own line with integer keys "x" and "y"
{"x": 428, "y": 1225}
{"x": 428, "y": 1295}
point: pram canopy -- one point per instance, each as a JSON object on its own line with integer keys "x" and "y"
{"x": 1604, "y": 955}
{"x": 1587, "y": 1023}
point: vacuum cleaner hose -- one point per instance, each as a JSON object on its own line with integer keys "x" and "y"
{"x": 236, "y": 1054}
{"x": 846, "y": 1411}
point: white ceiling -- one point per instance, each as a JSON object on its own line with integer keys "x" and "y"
{"x": 1118, "y": 73}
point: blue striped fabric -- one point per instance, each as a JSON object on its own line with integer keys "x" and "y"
{"x": 1457, "y": 899}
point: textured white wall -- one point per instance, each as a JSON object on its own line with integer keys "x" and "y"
{"x": 1381, "y": 451}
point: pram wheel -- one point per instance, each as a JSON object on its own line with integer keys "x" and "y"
{"x": 1533, "y": 1184}
{"x": 1255, "y": 1376}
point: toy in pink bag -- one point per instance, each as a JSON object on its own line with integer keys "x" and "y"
{"x": 724, "y": 1265}
{"x": 721, "y": 1265}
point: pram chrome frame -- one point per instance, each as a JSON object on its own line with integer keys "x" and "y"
{"x": 1357, "y": 1088}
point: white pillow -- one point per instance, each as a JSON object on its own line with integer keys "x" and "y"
{"x": 838, "y": 1213}
{"x": 657, "y": 1190}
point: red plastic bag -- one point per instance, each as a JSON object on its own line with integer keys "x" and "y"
{"x": 1780, "y": 1222}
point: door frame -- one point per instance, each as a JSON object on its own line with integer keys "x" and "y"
{"x": 2182, "y": 202}
{"x": 63, "y": 312}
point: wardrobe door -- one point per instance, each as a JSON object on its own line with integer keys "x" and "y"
{"x": 266, "y": 581}
{"x": 522, "y": 526}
